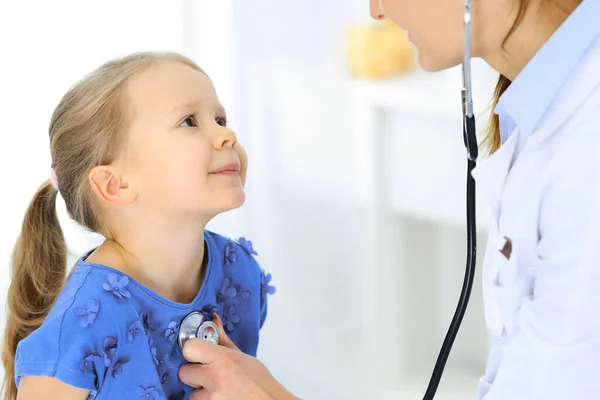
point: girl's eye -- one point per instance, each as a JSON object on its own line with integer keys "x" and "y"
{"x": 222, "y": 121}
{"x": 189, "y": 122}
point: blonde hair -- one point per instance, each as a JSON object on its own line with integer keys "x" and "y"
{"x": 492, "y": 140}
{"x": 86, "y": 130}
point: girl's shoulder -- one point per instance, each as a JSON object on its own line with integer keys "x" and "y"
{"x": 243, "y": 277}
{"x": 230, "y": 251}
{"x": 90, "y": 317}
{"x": 90, "y": 288}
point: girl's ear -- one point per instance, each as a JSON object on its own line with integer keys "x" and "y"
{"x": 107, "y": 184}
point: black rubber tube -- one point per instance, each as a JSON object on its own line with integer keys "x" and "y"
{"x": 436, "y": 376}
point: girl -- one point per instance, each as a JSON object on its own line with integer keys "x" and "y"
{"x": 541, "y": 274}
{"x": 141, "y": 153}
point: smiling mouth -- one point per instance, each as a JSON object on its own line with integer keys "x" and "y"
{"x": 229, "y": 169}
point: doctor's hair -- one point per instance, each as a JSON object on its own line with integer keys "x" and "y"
{"x": 492, "y": 140}
{"x": 87, "y": 129}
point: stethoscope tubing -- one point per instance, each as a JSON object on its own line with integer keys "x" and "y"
{"x": 470, "y": 140}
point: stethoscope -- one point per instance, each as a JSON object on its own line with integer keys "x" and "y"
{"x": 470, "y": 139}
{"x": 198, "y": 324}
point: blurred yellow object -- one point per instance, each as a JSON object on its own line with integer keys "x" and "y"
{"x": 379, "y": 50}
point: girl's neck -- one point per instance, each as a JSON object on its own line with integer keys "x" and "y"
{"x": 170, "y": 262}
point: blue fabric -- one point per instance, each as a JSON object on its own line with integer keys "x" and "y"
{"x": 527, "y": 99}
{"x": 110, "y": 335}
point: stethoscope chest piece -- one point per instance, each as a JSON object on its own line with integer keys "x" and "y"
{"x": 198, "y": 325}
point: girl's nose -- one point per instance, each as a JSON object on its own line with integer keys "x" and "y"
{"x": 224, "y": 138}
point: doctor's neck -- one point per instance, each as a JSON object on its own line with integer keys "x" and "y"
{"x": 532, "y": 24}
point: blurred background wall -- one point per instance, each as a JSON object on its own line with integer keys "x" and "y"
{"x": 355, "y": 188}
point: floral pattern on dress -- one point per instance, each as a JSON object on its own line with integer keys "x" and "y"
{"x": 230, "y": 318}
{"x": 117, "y": 286}
{"x": 247, "y": 245}
{"x": 230, "y": 253}
{"x": 265, "y": 287}
{"x": 134, "y": 330}
{"x": 88, "y": 314}
{"x": 148, "y": 392}
{"x": 170, "y": 333}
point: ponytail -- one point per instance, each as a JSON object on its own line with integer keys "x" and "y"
{"x": 492, "y": 141}
{"x": 38, "y": 272}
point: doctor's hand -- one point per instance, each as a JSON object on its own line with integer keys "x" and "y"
{"x": 223, "y": 372}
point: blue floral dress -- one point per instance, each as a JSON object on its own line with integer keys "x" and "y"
{"x": 116, "y": 338}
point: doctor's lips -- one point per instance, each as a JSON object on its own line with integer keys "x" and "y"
{"x": 229, "y": 169}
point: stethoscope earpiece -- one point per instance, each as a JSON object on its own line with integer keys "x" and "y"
{"x": 198, "y": 324}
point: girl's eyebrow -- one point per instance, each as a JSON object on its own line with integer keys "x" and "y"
{"x": 193, "y": 105}
{"x": 185, "y": 106}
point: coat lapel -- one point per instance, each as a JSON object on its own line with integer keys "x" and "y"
{"x": 490, "y": 175}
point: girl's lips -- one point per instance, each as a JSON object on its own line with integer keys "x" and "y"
{"x": 232, "y": 168}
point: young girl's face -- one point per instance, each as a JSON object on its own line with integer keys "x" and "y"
{"x": 181, "y": 157}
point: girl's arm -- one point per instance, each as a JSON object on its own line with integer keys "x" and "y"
{"x": 43, "y": 387}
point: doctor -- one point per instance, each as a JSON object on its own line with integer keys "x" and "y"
{"x": 541, "y": 277}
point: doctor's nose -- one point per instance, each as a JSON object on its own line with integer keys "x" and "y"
{"x": 375, "y": 8}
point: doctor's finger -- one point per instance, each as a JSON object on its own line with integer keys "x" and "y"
{"x": 195, "y": 375}
{"x": 223, "y": 338}
{"x": 202, "y": 352}
{"x": 201, "y": 394}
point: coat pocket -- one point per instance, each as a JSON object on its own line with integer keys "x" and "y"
{"x": 504, "y": 286}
